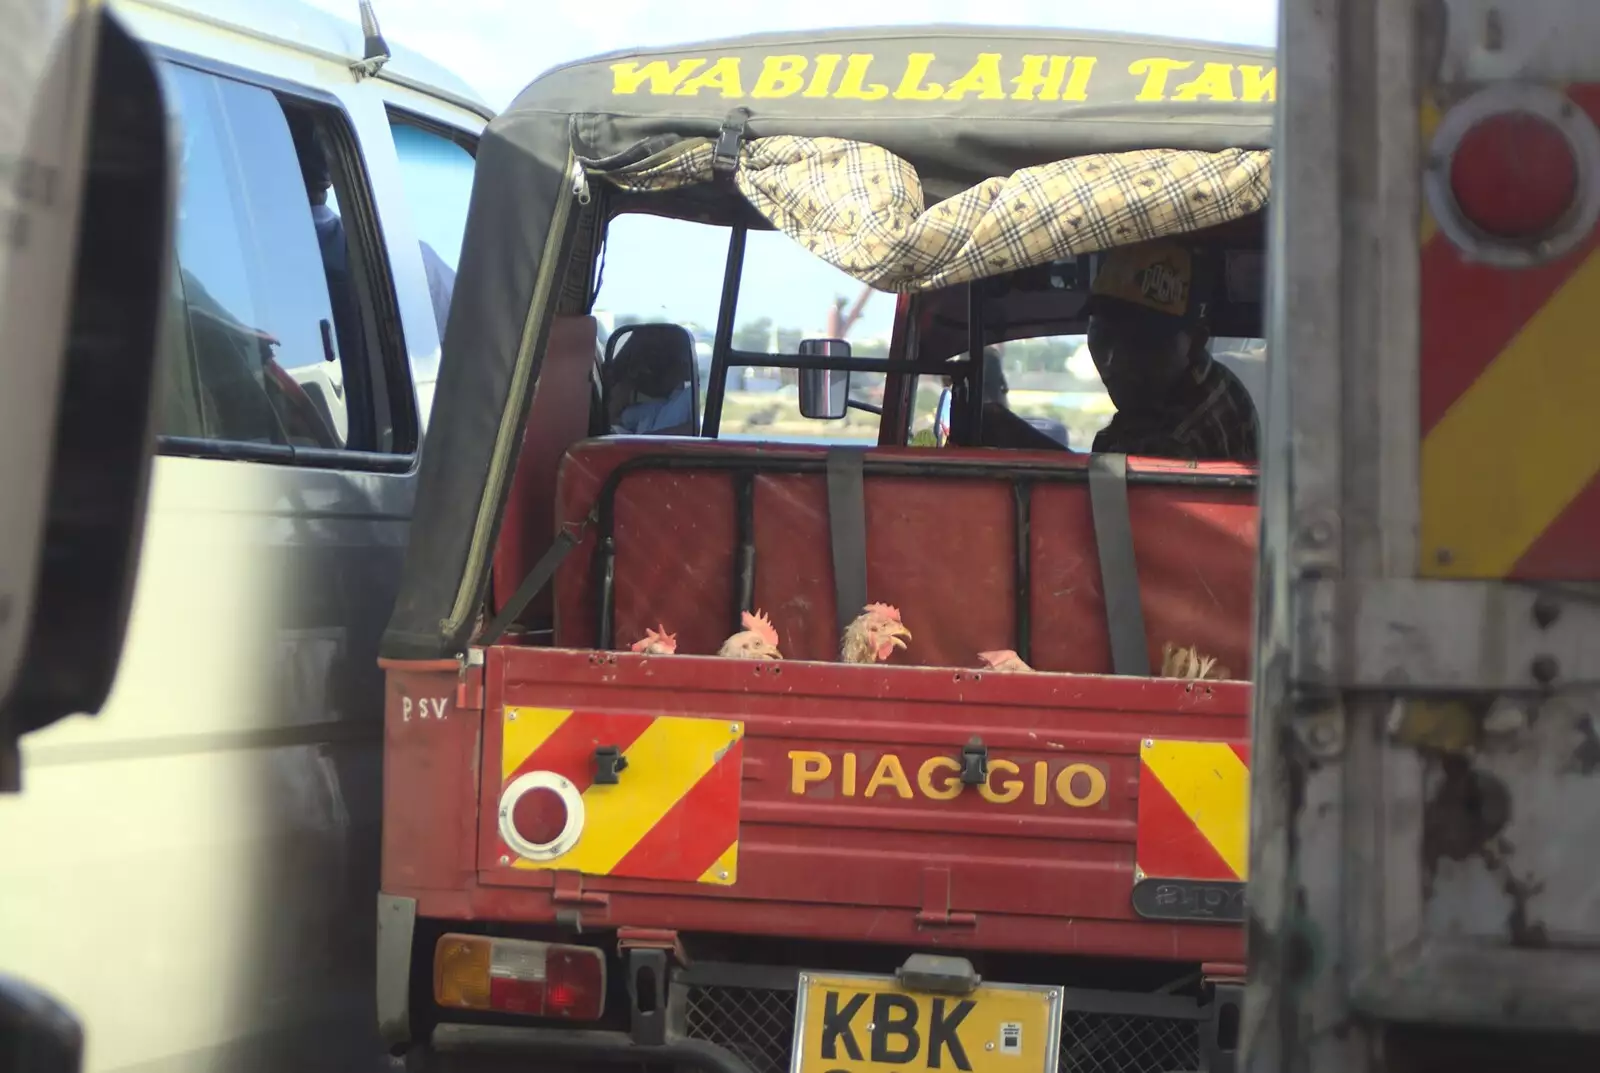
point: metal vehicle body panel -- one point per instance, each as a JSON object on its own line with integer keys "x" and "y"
{"x": 1428, "y": 643}
{"x": 194, "y": 871}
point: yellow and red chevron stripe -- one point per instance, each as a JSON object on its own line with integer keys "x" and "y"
{"x": 1510, "y": 460}
{"x": 1194, "y": 811}
{"x": 673, "y": 813}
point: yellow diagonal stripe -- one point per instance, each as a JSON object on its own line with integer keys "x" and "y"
{"x": 1519, "y": 445}
{"x": 664, "y": 763}
{"x": 525, "y": 729}
{"x": 1212, "y": 786}
{"x": 726, "y": 870}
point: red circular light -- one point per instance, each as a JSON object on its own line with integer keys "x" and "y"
{"x": 539, "y": 816}
{"x": 1514, "y": 175}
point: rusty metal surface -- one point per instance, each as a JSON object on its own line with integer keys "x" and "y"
{"x": 1425, "y": 750}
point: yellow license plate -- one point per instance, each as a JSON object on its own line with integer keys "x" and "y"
{"x": 845, "y": 1023}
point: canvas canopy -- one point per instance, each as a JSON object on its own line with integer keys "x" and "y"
{"x": 861, "y": 208}
{"x": 900, "y": 155}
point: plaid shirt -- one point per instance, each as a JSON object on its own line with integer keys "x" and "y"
{"x": 1209, "y": 418}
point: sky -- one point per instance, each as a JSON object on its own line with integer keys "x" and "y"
{"x": 499, "y": 46}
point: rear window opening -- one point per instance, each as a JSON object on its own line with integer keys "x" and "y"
{"x": 708, "y": 498}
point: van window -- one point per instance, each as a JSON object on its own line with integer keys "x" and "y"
{"x": 274, "y": 343}
{"x": 786, "y": 294}
{"x": 436, "y": 171}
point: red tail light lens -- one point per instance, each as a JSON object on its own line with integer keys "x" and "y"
{"x": 1514, "y": 175}
{"x": 474, "y": 972}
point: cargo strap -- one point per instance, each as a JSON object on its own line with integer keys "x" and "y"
{"x": 847, "y": 528}
{"x": 537, "y": 579}
{"x": 1119, "y": 571}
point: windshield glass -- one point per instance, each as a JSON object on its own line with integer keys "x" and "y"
{"x": 785, "y": 295}
{"x": 1051, "y": 383}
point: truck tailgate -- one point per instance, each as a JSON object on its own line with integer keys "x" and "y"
{"x": 827, "y": 801}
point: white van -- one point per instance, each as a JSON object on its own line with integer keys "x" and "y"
{"x": 193, "y": 872}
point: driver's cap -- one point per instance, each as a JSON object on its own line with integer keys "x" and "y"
{"x": 1154, "y": 276}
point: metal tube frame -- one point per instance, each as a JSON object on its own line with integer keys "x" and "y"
{"x": 1022, "y": 478}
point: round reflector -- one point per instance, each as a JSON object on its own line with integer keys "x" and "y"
{"x": 1514, "y": 175}
{"x": 541, "y": 815}
{"x": 1513, "y": 178}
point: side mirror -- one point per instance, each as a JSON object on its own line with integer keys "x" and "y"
{"x": 82, "y": 306}
{"x": 824, "y": 393}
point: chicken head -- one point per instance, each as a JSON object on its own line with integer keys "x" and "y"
{"x": 656, "y": 642}
{"x": 1004, "y": 661}
{"x": 874, "y": 635}
{"x": 758, "y": 639}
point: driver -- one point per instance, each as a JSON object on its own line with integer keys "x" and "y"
{"x": 1148, "y": 341}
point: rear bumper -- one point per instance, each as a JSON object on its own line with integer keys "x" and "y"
{"x": 750, "y": 1011}
{"x": 464, "y": 1045}
{"x": 729, "y": 1018}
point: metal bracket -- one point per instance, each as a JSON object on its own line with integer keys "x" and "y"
{"x": 567, "y": 889}
{"x": 936, "y": 911}
{"x": 975, "y": 762}
{"x": 1219, "y": 1040}
{"x": 608, "y": 764}
{"x": 647, "y": 997}
{"x": 1425, "y": 636}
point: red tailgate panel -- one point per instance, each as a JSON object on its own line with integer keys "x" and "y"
{"x": 868, "y": 849}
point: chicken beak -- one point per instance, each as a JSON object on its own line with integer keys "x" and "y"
{"x": 899, "y": 635}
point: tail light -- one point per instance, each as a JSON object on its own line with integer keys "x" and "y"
{"x": 1514, "y": 174}
{"x": 475, "y": 972}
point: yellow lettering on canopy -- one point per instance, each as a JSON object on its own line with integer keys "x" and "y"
{"x": 664, "y": 79}
{"x": 1078, "y": 85}
{"x": 952, "y": 785}
{"x": 1069, "y": 793}
{"x": 822, "y": 78}
{"x": 911, "y": 87}
{"x": 781, "y": 76}
{"x": 1010, "y": 790}
{"x": 1258, "y": 86}
{"x": 889, "y": 772}
{"x": 853, "y": 85}
{"x": 1215, "y": 82}
{"x": 806, "y": 767}
{"x": 1155, "y": 71}
{"x": 984, "y": 78}
{"x": 1038, "y": 79}
{"x": 722, "y": 76}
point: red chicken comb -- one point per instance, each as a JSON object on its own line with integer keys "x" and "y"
{"x": 886, "y": 610}
{"x": 659, "y": 635}
{"x": 760, "y": 625}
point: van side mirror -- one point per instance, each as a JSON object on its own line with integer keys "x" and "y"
{"x": 82, "y": 306}
{"x": 824, "y": 393}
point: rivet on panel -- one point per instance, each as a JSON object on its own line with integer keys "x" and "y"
{"x": 1545, "y": 611}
